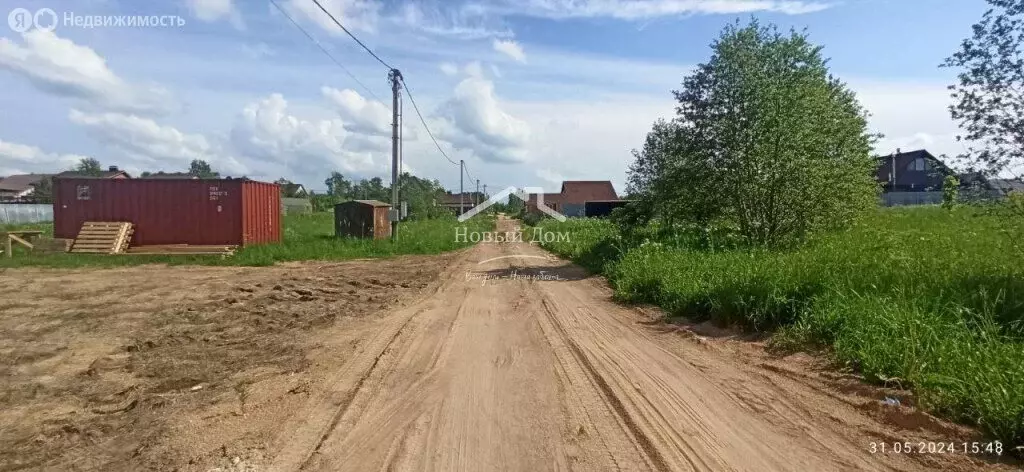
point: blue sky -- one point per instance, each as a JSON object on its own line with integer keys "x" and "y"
{"x": 528, "y": 92}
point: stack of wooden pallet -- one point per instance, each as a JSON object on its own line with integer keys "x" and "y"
{"x": 101, "y": 237}
{"x": 183, "y": 249}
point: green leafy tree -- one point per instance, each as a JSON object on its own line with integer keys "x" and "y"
{"x": 422, "y": 196}
{"x": 372, "y": 189}
{"x": 42, "y": 191}
{"x": 200, "y": 168}
{"x": 338, "y": 186}
{"x": 989, "y": 93}
{"x": 89, "y": 166}
{"x": 765, "y": 140}
{"x": 950, "y": 191}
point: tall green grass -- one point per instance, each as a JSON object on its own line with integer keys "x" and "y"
{"x": 305, "y": 237}
{"x": 932, "y": 297}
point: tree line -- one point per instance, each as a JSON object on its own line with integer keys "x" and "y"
{"x": 90, "y": 167}
{"x": 422, "y": 196}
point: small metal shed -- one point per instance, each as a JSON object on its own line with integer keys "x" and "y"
{"x": 362, "y": 219}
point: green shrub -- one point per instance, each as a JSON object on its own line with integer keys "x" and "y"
{"x": 924, "y": 295}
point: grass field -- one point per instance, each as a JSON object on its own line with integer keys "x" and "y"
{"x": 305, "y": 237}
{"x": 925, "y": 297}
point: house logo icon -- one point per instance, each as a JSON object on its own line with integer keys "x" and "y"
{"x": 522, "y": 194}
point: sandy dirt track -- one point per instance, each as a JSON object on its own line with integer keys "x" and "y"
{"x": 503, "y": 368}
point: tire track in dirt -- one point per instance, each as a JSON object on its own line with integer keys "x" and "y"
{"x": 517, "y": 373}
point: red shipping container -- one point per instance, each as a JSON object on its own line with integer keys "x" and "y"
{"x": 224, "y": 211}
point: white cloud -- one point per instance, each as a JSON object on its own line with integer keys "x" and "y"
{"x": 510, "y": 48}
{"x": 465, "y": 21}
{"x": 646, "y": 9}
{"x": 357, "y": 15}
{"x": 23, "y": 159}
{"x": 474, "y": 119}
{"x": 267, "y": 131}
{"x": 474, "y": 69}
{"x": 61, "y": 67}
{"x": 359, "y": 114}
{"x": 449, "y": 69}
{"x": 550, "y": 176}
{"x": 150, "y": 146}
{"x": 911, "y": 114}
{"x": 214, "y": 10}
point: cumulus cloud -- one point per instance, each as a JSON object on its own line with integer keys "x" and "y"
{"x": 474, "y": 120}
{"x": 24, "y": 159}
{"x": 267, "y": 131}
{"x": 510, "y": 48}
{"x": 60, "y": 66}
{"x": 360, "y": 114}
{"x": 152, "y": 146}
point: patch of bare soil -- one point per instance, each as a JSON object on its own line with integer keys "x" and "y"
{"x": 188, "y": 368}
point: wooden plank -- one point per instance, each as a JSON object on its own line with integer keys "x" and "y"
{"x": 93, "y": 245}
{"x": 20, "y": 241}
{"x": 26, "y": 232}
{"x": 104, "y": 223}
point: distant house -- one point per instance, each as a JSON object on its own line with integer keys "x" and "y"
{"x": 460, "y": 203}
{"x": 1005, "y": 186}
{"x": 291, "y": 190}
{"x": 18, "y": 188}
{"x": 111, "y": 173}
{"x": 575, "y": 194}
{"x": 914, "y": 171}
{"x": 916, "y": 178}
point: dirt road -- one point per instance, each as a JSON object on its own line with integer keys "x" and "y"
{"x": 519, "y": 361}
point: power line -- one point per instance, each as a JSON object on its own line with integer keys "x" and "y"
{"x": 417, "y": 108}
{"x": 325, "y": 51}
{"x": 466, "y": 169}
{"x": 402, "y": 79}
{"x": 343, "y": 28}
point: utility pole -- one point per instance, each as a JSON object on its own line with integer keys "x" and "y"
{"x": 462, "y": 191}
{"x": 476, "y": 197}
{"x": 395, "y": 76}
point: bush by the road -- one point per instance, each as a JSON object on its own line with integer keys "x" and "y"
{"x": 928, "y": 296}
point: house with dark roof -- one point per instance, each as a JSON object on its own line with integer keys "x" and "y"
{"x": 460, "y": 203}
{"x": 111, "y": 173}
{"x": 916, "y": 178}
{"x": 1006, "y": 186}
{"x": 18, "y": 188}
{"x": 914, "y": 171}
{"x": 573, "y": 198}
